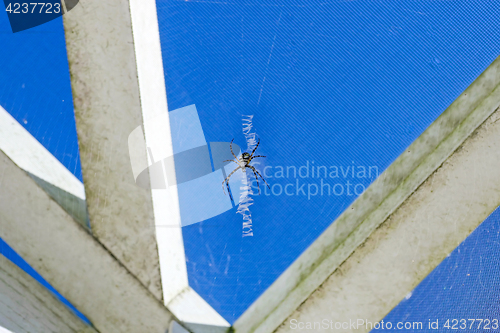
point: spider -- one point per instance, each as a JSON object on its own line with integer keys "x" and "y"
{"x": 243, "y": 163}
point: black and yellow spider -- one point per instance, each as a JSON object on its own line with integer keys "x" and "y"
{"x": 243, "y": 163}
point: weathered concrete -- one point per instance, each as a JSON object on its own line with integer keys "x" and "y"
{"x": 373, "y": 207}
{"x": 71, "y": 260}
{"x": 118, "y": 82}
{"x": 430, "y": 224}
{"x": 107, "y": 108}
{"x": 28, "y": 307}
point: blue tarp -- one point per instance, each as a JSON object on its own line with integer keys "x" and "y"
{"x": 344, "y": 86}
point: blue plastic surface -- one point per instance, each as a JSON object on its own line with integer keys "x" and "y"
{"x": 343, "y": 84}
{"x": 35, "y": 87}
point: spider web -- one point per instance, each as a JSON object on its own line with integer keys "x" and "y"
{"x": 246, "y": 190}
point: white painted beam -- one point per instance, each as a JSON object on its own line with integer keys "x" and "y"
{"x": 28, "y": 307}
{"x": 71, "y": 260}
{"x": 102, "y": 64}
{"x": 428, "y": 226}
{"x": 179, "y": 297}
{"x": 374, "y": 206}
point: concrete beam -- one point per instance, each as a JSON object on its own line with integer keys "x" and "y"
{"x": 375, "y": 205}
{"x": 103, "y": 72}
{"x": 428, "y": 226}
{"x": 71, "y": 260}
{"x": 28, "y": 307}
{"x": 118, "y": 84}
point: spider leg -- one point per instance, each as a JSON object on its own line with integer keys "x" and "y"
{"x": 231, "y": 161}
{"x": 255, "y": 170}
{"x": 227, "y": 178}
{"x": 231, "y": 146}
{"x": 253, "y": 151}
{"x": 252, "y": 157}
{"x": 230, "y": 196}
{"x": 257, "y": 179}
